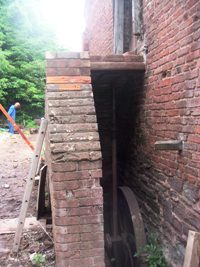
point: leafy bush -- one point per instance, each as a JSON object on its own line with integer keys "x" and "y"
{"x": 38, "y": 259}
{"x": 153, "y": 252}
{"x": 31, "y": 124}
{"x": 24, "y": 38}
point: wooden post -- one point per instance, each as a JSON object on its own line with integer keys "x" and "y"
{"x": 118, "y": 26}
{"x": 114, "y": 166}
{"x": 136, "y": 23}
{"x": 29, "y": 184}
{"x": 41, "y": 209}
{"x": 136, "y": 13}
{"x": 192, "y": 252}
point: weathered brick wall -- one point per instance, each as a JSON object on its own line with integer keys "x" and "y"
{"x": 168, "y": 183}
{"x": 74, "y": 162}
{"x": 98, "y": 38}
{"x": 167, "y": 107}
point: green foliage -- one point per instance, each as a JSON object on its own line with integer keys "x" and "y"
{"x": 30, "y": 124}
{"x": 153, "y": 252}
{"x": 38, "y": 259}
{"x": 24, "y": 38}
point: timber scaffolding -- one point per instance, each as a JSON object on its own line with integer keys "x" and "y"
{"x": 76, "y": 91}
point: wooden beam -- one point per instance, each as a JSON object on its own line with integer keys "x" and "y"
{"x": 117, "y": 65}
{"x": 40, "y": 207}
{"x": 192, "y": 250}
{"x": 136, "y": 23}
{"x": 136, "y": 16}
{"x": 127, "y": 57}
{"x": 118, "y": 26}
{"x": 169, "y": 145}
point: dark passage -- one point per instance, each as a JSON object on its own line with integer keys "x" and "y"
{"x": 117, "y": 95}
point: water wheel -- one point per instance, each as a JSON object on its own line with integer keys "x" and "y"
{"x": 131, "y": 235}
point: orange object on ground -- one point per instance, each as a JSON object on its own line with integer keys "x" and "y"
{"x": 16, "y": 127}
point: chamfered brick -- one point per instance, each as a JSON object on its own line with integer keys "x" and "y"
{"x": 64, "y": 167}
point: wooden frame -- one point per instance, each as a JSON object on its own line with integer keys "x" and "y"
{"x": 192, "y": 253}
{"x": 136, "y": 23}
{"x": 118, "y": 26}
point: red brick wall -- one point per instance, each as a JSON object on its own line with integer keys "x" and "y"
{"x": 168, "y": 107}
{"x": 99, "y": 27}
{"x": 74, "y": 162}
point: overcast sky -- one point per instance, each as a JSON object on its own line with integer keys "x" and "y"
{"x": 66, "y": 17}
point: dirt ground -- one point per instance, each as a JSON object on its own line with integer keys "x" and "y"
{"x": 15, "y": 158}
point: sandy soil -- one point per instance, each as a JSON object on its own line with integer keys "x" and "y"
{"x": 15, "y": 158}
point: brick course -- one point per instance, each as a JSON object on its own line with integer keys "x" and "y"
{"x": 74, "y": 162}
{"x": 98, "y": 37}
{"x": 167, "y": 183}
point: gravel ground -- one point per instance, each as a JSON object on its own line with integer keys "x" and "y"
{"x": 15, "y": 158}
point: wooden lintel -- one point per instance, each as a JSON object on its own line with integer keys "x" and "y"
{"x": 102, "y": 65}
{"x": 126, "y": 57}
{"x": 169, "y": 145}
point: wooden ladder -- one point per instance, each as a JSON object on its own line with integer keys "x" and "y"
{"x": 29, "y": 184}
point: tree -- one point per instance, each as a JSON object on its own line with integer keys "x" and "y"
{"x": 24, "y": 38}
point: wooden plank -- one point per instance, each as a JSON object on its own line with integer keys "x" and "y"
{"x": 192, "y": 250}
{"x": 9, "y": 226}
{"x": 136, "y": 23}
{"x": 118, "y": 26}
{"x": 126, "y": 57}
{"x": 69, "y": 79}
{"x": 136, "y": 17}
{"x": 117, "y": 66}
{"x": 40, "y": 208}
{"x": 29, "y": 184}
{"x": 169, "y": 145}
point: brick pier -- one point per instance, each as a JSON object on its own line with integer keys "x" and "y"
{"x": 74, "y": 161}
